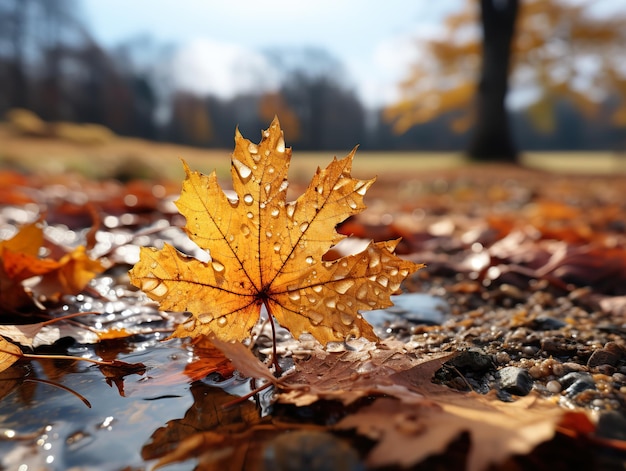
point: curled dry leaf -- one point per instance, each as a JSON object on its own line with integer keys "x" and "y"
{"x": 267, "y": 251}
{"x": 20, "y": 261}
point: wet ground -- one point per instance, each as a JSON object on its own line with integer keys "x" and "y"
{"x": 525, "y": 271}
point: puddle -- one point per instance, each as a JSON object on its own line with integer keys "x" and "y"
{"x": 46, "y": 428}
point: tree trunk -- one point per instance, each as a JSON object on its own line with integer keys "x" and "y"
{"x": 492, "y": 139}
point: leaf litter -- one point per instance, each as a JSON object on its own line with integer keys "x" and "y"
{"x": 449, "y": 227}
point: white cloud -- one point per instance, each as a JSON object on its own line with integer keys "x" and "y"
{"x": 205, "y": 66}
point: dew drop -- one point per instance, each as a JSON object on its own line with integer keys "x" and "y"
{"x": 274, "y": 212}
{"x": 304, "y": 226}
{"x": 394, "y": 286}
{"x": 291, "y": 208}
{"x": 343, "y": 286}
{"x": 340, "y": 183}
{"x": 276, "y": 247}
{"x": 253, "y": 148}
{"x": 243, "y": 170}
{"x": 383, "y": 281}
{"x": 154, "y": 265}
{"x": 330, "y": 303}
{"x": 149, "y": 284}
{"x": 205, "y": 317}
{"x": 217, "y": 266}
{"x": 283, "y": 186}
{"x": 159, "y": 290}
{"x": 317, "y": 288}
{"x": 309, "y": 260}
{"x": 315, "y": 317}
{"x": 271, "y": 170}
{"x": 346, "y": 318}
{"x": 231, "y": 238}
{"x": 248, "y": 199}
{"x": 352, "y": 204}
{"x": 404, "y": 272}
{"x": 249, "y": 215}
{"x": 361, "y": 292}
{"x": 268, "y": 234}
{"x": 267, "y": 188}
{"x": 393, "y": 271}
{"x": 280, "y": 145}
{"x": 361, "y": 188}
{"x": 341, "y": 306}
{"x": 294, "y": 295}
{"x": 312, "y": 300}
{"x": 245, "y": 230}
{"x": 374, "y": 260}
{"x": 222, "y": 321}
{"x": 320, "y": 189}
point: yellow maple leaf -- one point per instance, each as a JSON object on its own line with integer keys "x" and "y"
{"x": 267, "y": 251}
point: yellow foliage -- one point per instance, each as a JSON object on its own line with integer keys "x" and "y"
{"x": 267, "y": 251}
{"x": 549, "y": 35}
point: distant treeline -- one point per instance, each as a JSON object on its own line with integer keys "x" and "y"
{"x": 51, "y": 65}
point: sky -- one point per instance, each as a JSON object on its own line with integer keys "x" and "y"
{"x": 220, "y": 44}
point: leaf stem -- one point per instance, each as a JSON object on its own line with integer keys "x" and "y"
{"x": 277, "y": 369}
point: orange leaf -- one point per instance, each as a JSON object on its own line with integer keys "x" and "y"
{"x": 267, "y": 251}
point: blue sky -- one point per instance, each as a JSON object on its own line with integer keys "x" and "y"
{"x": 374, "y": 39}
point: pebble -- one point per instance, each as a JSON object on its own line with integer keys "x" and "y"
{"x": 515, "y": 380}
{"x": 311, "y": 450}
{"x": 554, "y": 386}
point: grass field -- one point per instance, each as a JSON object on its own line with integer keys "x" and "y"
{"x": 139, "y": 158}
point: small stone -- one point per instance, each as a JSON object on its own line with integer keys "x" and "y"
{"x": 312, "y": 450}
{"x": 554, "y": 386}
{"x": 547, "y": 323}
{"x": 579, "y": 386}
{"x": 558, "y": 346}
{"x": 603, "y": 356}
{"x": 515, "y": 380}
{"x": 503, "y": 357}
{"x": 472, "y": 360}
{"x": 570, "y": 378}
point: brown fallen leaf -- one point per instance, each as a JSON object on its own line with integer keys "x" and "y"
{"x": 9, "y": 354}
{"x": 267, "y": 251}
{"x": 350, "y": 375}
{"x": 407, "y": 435}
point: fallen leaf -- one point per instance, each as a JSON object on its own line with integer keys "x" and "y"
{"x": 351, "y": 375}
{"x": 9, "y": 354}
{"x": 266, "y": 251}
{"x": 407, "y": 435}
{"x": 243, "y": 359}
{"x": 20, "y": 261}
{"x": 207, "y": 359}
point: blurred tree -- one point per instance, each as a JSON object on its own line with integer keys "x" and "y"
{"x": 191, "y": 121}
{"x": 273, "y": 104}
{"x": 559, "y": 50}
{"x": 328, "y": 113}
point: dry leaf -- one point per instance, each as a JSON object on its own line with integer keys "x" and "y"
{"x": 266, "y": 251}
{"x": 20, "y": 261}
{"x": 351, "y": 375}
{"x": 9, "y": 354}
{"x": 407, "y": 435}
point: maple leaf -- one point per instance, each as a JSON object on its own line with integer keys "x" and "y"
{"x": 267, "y": 251}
